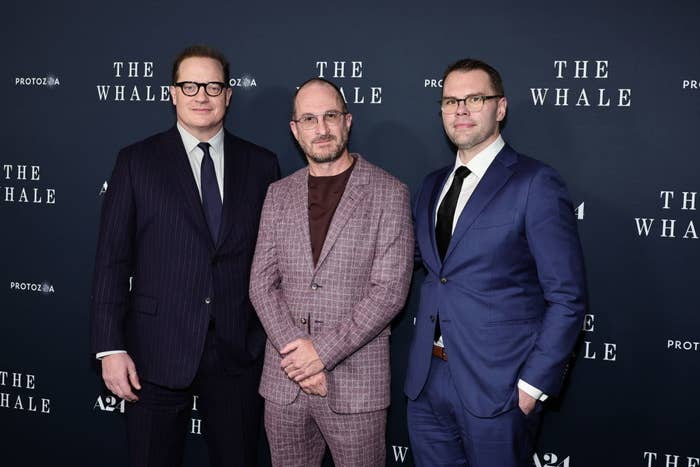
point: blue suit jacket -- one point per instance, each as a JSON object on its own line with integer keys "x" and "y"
{"x": 153, "y": 228}
{"x": 510, "y": 292}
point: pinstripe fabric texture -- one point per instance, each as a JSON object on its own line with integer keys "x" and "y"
{"x": 345, "y": 303}
{"x": 153, "y": 228}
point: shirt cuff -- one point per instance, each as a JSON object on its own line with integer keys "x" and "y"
{"x": 100, "y": 355}
{"x": 532, "y": 391}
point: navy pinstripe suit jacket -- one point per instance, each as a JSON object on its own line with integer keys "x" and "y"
{"x": 153, "y": 228}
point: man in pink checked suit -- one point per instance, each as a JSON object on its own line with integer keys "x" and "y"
{"x": 332, "y": 267}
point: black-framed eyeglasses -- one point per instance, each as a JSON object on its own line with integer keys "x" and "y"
{"x": 310, "y": 121}
{"x": 449, "y": 105}
{"x": 191, "y": 88}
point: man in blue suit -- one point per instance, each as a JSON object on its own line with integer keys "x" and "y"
{"x": 170, "y": 313}
{"x": 503, "y": 301}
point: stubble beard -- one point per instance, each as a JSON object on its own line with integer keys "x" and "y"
{"x": 331, "y": 156}
{"x": 466, "y": 143}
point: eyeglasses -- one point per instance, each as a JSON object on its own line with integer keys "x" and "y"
{"x": 191, "y": 88}
{"x": 449, "y": 105}
{"x": 310, "y": 121}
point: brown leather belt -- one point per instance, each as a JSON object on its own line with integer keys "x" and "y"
{"x": 439, "y": 352}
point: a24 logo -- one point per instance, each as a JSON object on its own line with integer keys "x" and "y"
{"x": 109, "y": 404}
{"x": 550, "y": 460}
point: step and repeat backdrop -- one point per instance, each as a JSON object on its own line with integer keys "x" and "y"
{"x": 606, "y": 92}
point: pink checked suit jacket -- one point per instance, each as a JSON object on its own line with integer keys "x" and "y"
{"x": 346, "y": 302}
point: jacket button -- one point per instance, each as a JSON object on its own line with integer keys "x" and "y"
{"x": 314, "y": 286}
{"x": 443, "y": 280}
{"x": 207, "y": 300}
{"x": 303, "y": 320}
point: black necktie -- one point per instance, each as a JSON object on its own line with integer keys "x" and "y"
{"x": 446, "y": 211}
{"x": 445, "y": 219}
{"x": 211, "y": 197}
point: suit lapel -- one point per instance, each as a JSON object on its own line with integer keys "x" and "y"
{"x": 235, "y": 170}
{"x": 439, "y": 183}
{"x": 299, "y": 210}
{"x": 495, "y": 177}
{"x": 353, "y": 194}
{"x": 175, "y": 151}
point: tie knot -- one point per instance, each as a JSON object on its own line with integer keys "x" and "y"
{"x": 204, "y": 147}
{"x": 462, "y": 172}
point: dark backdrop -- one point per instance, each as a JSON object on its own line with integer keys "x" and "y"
{"x": 606, "y": 93}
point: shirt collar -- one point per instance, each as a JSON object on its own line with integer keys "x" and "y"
{"x": 190, "y": 142}
{"x": 482, "y": 161}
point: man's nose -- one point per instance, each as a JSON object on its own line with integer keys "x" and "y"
{"x": 201, "y": 94}
{"x": 462, "y": 108}
{"x": 322, "y": 127}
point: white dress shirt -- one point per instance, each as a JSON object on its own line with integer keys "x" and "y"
{"x": 477, "y": 167}
{"x": 195, "y": 156}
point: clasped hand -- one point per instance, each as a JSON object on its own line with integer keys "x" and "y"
{"x": 302, "y": 365}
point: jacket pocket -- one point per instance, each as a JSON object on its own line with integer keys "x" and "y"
{"x": 144, "y": 304}
{"x": 513, "y": 322}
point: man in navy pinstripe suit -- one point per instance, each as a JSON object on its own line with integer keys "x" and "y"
{"x": 181, "y": 217}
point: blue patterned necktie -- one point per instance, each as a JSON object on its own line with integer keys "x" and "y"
{"x": 211, "y": 197}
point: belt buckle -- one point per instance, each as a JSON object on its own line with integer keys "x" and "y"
{"x": 439, "y": 352}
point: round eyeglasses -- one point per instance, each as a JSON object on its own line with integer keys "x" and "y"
{"x": 191, "y": 88}
{"x": 310, "y": 121}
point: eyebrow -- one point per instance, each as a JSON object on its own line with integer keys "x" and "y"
{"x": 322, "y": 113}
{"x": 465, "y": 97}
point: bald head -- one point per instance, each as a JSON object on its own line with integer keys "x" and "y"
{"x": 311, "y": 87}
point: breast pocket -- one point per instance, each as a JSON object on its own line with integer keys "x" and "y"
{"x": 490, "y": 220}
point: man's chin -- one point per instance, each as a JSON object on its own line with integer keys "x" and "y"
{"x": 325, "y": 158}
{"x": 467, "y": 144}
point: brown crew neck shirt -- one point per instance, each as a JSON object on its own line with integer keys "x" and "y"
{"x": 324, "y": 197}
